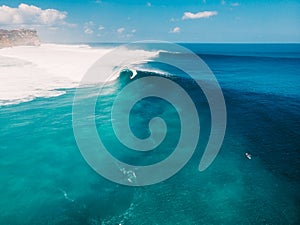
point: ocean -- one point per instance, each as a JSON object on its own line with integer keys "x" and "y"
{"x": 45, "y": 179}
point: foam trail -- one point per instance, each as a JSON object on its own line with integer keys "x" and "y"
{"x": 66, "y": 195}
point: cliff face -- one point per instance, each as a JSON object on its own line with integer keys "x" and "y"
{"x": 9, "y": 38}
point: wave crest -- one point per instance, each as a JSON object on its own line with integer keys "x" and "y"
{"x": 28, "y": 72}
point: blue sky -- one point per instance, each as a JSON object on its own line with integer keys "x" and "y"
{"x": 174, "y": 20}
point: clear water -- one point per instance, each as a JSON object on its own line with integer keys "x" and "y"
{"x": 45, "y": 180}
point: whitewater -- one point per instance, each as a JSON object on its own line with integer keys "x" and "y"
{"x": 29, "y": 72}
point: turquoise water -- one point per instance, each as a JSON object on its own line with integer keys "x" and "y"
{"x": 45, "y": 180}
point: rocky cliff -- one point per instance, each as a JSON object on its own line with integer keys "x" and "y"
{"x": 9, "y": 38}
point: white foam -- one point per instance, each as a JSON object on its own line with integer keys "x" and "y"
{"x": 27, "y": 72}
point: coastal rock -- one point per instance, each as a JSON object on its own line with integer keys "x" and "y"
{"x": 9, "y": 38}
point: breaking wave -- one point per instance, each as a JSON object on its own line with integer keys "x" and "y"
{"x": 28, "y": 72}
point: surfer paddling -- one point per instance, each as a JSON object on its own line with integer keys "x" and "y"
{"x": 248, "y": 155}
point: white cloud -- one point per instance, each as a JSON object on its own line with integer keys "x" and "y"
{"x": 235, "y": 4}
{"x": 149, "y": 4}
{"x": 175, "y": 30}
{"x": 121, "y": 30}
{"x": 89, "y": 27}
{"x": 223, "y": 2}
{"x": 90, "y": 23}
{"x": 31, "y": 15}
{"x": 101, "y": 27}
{"x": 88, "y": 31}
{"x": 133, "y": 30}
{"x": 199, "y": 15}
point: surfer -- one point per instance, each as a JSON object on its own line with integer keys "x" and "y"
{"x": 134, "y": 73}
{"x": 248, "y": 155}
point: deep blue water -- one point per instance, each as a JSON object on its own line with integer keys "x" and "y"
{"x": 45, "y": 180}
